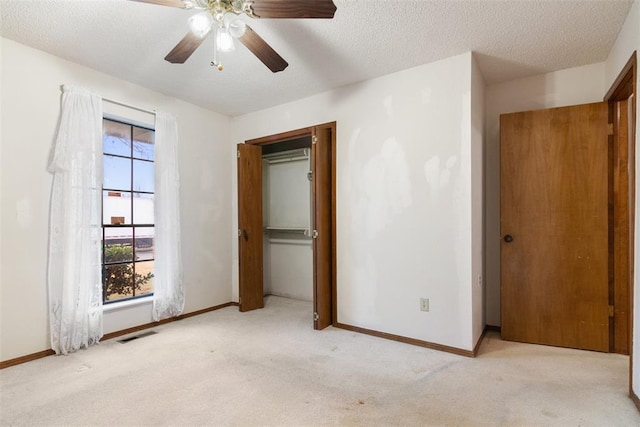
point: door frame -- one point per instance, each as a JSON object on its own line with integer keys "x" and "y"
{"x": 310, "y": 132}
{"x": 622, "y": 88}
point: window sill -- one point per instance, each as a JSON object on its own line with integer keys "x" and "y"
{"x": 127, "y": 304}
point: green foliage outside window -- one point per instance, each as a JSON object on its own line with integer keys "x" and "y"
{"x": 119, "y": 278}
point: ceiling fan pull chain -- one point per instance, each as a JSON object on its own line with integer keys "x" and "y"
{"x": 215, "y": 62}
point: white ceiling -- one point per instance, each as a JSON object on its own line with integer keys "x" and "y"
{"x": 366, "y": 39}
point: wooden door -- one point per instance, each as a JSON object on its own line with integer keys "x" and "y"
{"x": 321, "y": 194}
{"x": 554, "y": 226}
{"x": 250, "y": 226}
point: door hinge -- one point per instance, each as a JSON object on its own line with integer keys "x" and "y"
{"x": 609, "y": 128}
{"x": 314, "y": 234}
{"x": 239, "y": 233}
{"x": 310, "y": 176}
{"x": 238, "y": 153}
{"x": 315, "y": 316}
{"x": 239, "y": 300}
{"x": 314, "y": 139}
{"x": 611, "y": 312}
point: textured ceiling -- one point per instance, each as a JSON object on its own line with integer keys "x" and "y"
{"x": 366, "y": 39}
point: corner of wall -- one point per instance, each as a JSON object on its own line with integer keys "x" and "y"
{"x": 627, "y": 41}
{"x": 478, "y": 196}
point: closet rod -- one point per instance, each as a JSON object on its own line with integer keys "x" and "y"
{"x": 297, "y": 242}
{"x": 286, "y": 159}
{"x": 288, "y": 153}
{"x": 296, "y": 230}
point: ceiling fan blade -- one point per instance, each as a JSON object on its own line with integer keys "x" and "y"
{"x": 262, "y": 50}
{"x": 170, "y": 3}
{"x": 183, "y": 50}
{"x": 293, "y": 8}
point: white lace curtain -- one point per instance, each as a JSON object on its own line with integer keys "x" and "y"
{"x": 168, "y": 288}
{"x": 75, "y": 267}
{"x": 74, "y": 277}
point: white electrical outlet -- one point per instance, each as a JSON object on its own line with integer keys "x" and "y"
{"x": 424, "y": 304}
{"x": 480, "y": 280}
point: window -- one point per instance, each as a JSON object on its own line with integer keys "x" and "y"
{"x": 128, "y": 232}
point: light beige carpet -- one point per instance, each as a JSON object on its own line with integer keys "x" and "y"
{"x": 268, "y": 367}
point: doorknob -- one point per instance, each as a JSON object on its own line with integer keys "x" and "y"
{"x": 508, "y": 238}
{"x": 245, "y": 234}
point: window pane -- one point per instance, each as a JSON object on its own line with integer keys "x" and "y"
{"x": 143, "y": 208}
{"x": 143, "y": 143}
{"x": 128, "y": 180}
{"x": 117, "y": 173}
{"x": 118, "y": 245}
{"x": 145, "y": 243}
{"x": 143, "y": 176}
{"x": 116, "y": 207}
{"x": 144, "y": 278}
{"x": 116, "y": 138}
{"x": 118, "y": 281}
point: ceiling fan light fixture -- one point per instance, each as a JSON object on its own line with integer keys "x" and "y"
{"x": 224, "y": 41}
{"x": 237, "y": 28}
{"x": 201, "y": 23}
{"x": 218, "y": 13}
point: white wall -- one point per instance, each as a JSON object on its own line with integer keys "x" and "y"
{"x": 287, "y": 200}
{"x": 572, "y": 86}
{"x": 30, "y": 106}
{"x": 404, "y": 197}
{"x": 628, "y": 41}
{"x": 290, "y": 267}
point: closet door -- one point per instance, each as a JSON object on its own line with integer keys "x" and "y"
{"x": 321, "y": 153}
{"x": 250, "y": 226}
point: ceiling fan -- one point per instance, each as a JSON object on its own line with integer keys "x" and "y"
{"x": 213, "y": 18}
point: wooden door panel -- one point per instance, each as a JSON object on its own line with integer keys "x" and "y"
{"x": 554, "y": 204}
{"x": 322, "y": 218}
{"x": 250, "y": 227}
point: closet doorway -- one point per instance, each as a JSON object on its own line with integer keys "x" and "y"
{"x": 273, "y": 220}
